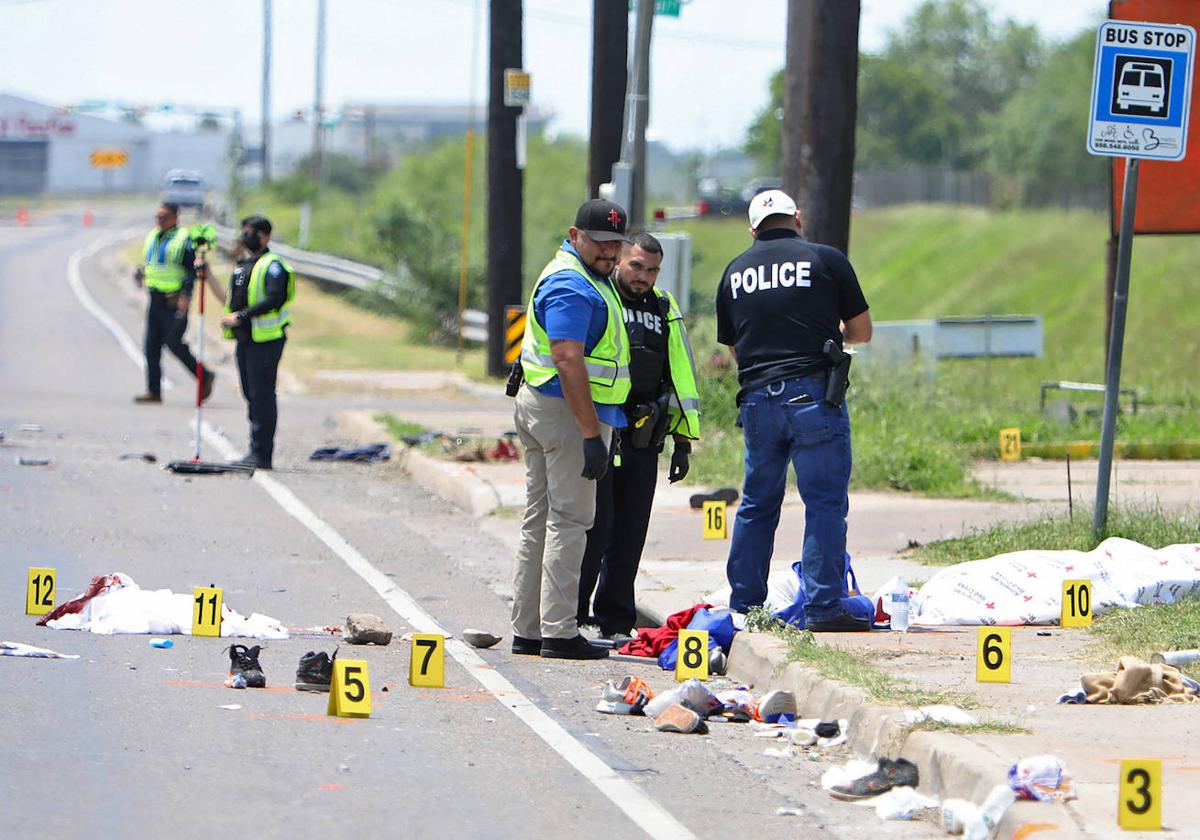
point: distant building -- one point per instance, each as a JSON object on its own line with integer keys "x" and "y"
{"x": 48, "y": 149}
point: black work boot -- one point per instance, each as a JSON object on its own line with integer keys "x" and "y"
{"x": 244, "y": 670}
{"x": 575, "y": 648}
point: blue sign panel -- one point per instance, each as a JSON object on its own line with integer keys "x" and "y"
{"x": 1142, "y": 90}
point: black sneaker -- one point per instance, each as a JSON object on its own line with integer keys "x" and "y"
{"x": 526, "y": 647}
{"x": 251, "y": 462}
{"x": 575, "y": 648}
{"x": 315, "y": 672}
{"x": 244, "y": 670}
{"x": 844, "y": 623}
{"x": 725, "y": 494}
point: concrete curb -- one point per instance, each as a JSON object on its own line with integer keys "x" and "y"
{"x": 458, "y": 483}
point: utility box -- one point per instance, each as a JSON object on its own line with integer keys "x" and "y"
{"x": 676, "y": 274}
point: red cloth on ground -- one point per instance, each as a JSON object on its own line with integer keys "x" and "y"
{"x": 99, "y": 585}
{"x": 651, "y": 641}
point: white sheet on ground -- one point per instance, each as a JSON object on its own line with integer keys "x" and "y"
{"x": 1025, "y": 587}
{"x": 127, "y": 608}
{"x": 18, "y": 649}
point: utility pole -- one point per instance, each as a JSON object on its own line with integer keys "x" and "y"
{"x": 822, "y": 47}
{"x": 266, "y": 93}
{"x": 610, "y": 54}
{"x": 505, "y": 199}
{"x": 318, "y": 91}
{"x": 795, "y": 78}
{"x": 637, "y": 111}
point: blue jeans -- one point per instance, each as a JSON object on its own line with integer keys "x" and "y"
{"x": 788, "y": 422}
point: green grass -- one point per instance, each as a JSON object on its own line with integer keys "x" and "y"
{"x": 850, "y": 667}
{"x": 397, "y": 427}
{"x": 983, "y": 727}
{"x": 1149, "y": 526}
{"x": 1145, "y": 630}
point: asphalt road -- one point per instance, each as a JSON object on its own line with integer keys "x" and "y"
{"x": 130, "y": 741}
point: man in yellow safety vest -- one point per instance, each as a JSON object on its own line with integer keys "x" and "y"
{"x": 168, "y": 272}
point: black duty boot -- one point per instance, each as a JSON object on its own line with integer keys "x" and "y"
{"x": 526, "y": 647}
{"x": 576, "y": 648}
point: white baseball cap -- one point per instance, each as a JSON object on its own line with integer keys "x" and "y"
{"x": 770, "y": 203}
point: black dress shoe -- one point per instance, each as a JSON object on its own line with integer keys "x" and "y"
{"x": 576, "y": 648}
{"x": 526, "y": 647}
{"x": 844, "y": 623}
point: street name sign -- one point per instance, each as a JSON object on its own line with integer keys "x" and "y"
{"x": 1141, "y": 90}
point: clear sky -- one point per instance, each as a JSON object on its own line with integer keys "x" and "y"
{"x": 709, "y": 77}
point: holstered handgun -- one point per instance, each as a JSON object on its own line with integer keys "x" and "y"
{"x": 838, "y": 377}
{"x": 649, "y": 422}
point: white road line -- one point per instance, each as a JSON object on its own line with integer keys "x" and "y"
{"x": 136, "y": 354}
{"x": 638, "y": 805}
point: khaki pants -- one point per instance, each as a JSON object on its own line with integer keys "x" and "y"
{"x": 560, "y": 506}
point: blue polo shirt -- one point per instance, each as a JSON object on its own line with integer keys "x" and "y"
{"x": 571, "y": 309}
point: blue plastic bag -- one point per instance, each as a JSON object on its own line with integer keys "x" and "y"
{"x": 853, "y": 602}
{"x": 718, "y": 623}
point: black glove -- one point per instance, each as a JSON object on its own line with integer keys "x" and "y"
{"x": 679, "y": 461}
{"x": 595, "y": 458}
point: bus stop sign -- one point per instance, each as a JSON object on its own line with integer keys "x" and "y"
{"x": 1142, "y": 90}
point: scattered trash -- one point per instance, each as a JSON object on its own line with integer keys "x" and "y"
{"x": 315, "y": 672}
{"x": 902, "y": 803}
{"x": 343, "y": 768}
{"x": 366, "y": 629}
{"x": 739, "y": 704}
{"x": 148, "y": 457}
{"x": 830, "y": 743}
{"x": 31, "y": 427}
{"x": 244, "y": 670}
{"x": 628, "y": 698}
{"x": 1176, "y": 658}
{"x": 846, "y": 773}
{"x": 505, "y": 449}
{"x": 718, "y": 662}
{"x": 22, "y": 461}
{"x": 479, "y": 638}
{"x": 115, "y": 604}
{"x": 951, "y": 715}
{"x": 692, "y": 694}
{"x": 19, "y": 649}
{"x": 677, "y": 718}
{"x": 232, "y": 707}
{"x": 362, "y": 455}
{"x": 789, "y": 812}
{"x": 972, "y": 821}
{"x": 777, "y": 706}
{"x": 771, "y": 752}
{"x": 161, "y": 643}
{"x": 888, "y": 774}
{"x": 1043, "y": 778}
{"x": 1044, "y": 633}
{"x": 828, "y": 729}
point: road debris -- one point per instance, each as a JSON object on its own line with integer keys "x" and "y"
{"x": 22, "y": 461}
{"x": 360, "y": 455}
{"x": 479, "y": 638}
{"x": 677, "y": 718}
{"x": 1042, "y": 777}
{"x": 366, "y": 629}
{"x": 19, "y": 649}
{"x": 244, "y": 668}
{"x": 148, "y": 457}
{"x": 161, "y": 643}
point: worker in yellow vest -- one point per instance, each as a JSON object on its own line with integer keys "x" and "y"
{"x": 257, "y": 312}
{"x": 575, "y": 358}
{"x": 168, "y": 272}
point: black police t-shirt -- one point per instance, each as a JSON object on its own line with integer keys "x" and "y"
{"x": 778, "y": 303}
{"x": 646, "y": 326}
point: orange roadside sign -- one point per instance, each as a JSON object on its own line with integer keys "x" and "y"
{"x": 109, "y": 158}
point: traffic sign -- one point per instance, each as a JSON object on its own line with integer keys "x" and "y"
{"x": 662, "y": 8}
{"x": 109, "y": 158}
{"x": 516, "y": 88}
{"x": 1142, "y": 90}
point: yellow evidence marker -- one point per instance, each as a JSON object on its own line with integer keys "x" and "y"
{"x": 350, "y": 689}
{"x": 1139, "y": 795}
{"x": 993, "y": 660}
{"x": 427, "y": 660}
{"x": 716, "y": 526}
{"x": 1076, "y": 603}
{"x": 691, "y": 658}
{"x": 1010, "y": 444}
{"x": 206, "y": 611}
{"x": 39, "y": 590}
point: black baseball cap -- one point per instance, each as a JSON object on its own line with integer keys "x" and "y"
{"x": 603, "y": 221}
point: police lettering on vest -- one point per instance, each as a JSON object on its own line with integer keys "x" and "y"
{"x": 785, "y": 275}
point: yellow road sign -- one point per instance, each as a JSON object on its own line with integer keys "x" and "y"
{"x": 109, "y": 158}
{"x": 514, "y": 332}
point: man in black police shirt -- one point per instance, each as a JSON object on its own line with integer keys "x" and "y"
{"x": 258, "y": 356}
{"x": 777, "y": 305}
{"x": 625, "y": 493}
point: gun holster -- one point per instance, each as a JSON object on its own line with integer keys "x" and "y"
{"x": 649, "y": 423}
{"x": 838, "y": 377}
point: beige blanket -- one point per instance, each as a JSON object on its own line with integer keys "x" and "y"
{"x": 1136, "y": 681}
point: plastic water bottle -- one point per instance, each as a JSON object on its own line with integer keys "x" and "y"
{"x": 900, "y": 606}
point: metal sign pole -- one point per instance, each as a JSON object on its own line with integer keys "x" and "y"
{"x": 1116, "y": 344}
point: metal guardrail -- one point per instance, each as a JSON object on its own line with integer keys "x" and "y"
{"x": 323, "y": 267}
